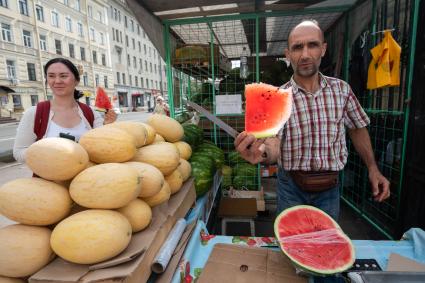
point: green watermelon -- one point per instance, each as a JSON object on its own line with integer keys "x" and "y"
{"x": 234, "y": 158}
{"x": 193, "y": 135}
{"x": 267, "y": 109}
{"x": 313, "y": 240}
{"x": 214, "y": 151}
{"x": 203, "y": 175}
{"x": 243, "y": 182}
{"x": 226, "y": 172}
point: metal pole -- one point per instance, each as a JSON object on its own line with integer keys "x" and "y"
{"x": 213, "y": 75}
{"x": 170, "y": 89}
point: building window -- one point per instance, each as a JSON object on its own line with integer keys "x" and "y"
{"x": 31, "y": 72}
{"x": 40, "y": 13}
{"x": 102, "y": 38}
{"x": 68, "y": 24}
{"x": 141, "y": 82}
{"x": 134, "y": 62}
{"x": 17, "y": 103}
{"x": 43, "y": 42}
{"x": 58, "y": 46}
{"x": 117, "y": 35}
{"x": 80, "y": 29}
{"x": 83, "y": 53}
{"x": 3, "y": 3}
{"x": 138, "y": 29}
{"x": 151, "y": 83}
{"x": 11, "y": 69}
{"x": 134, "y": 43}
{"x": 128, "y": 60}
{"x": 55, "y": 19}
{"x": 155, "y": 68}
{"x": 144, "y": 34}
{"x": 96, "y": 79}
{"x": 77, "y": 5}
{"x": 6, "y": 32}
{"x": 147, "y": 83}
{"x": 113, "y": 34}
{"x": 132, "y": 25}
{"x": 27, "y": 38}
{"x": 103, "y": 59}
{"x": 126, "y": 40}
{"x": 121, "y": 36}
{"x": 123, "y": 78}
{"x": 49, "y": 97}
{"x": 150, "y": 67}
{"x": 125, "y": 21}
{"x": 92, "y": 34}
{"x": 85, "y": 79}
{"x": 94, "y": 57}
{"x": 130, "y": 80}
{"x": 34, "y": 100}
{"x": 136, "y": 81}
{"x": 118, "y": 78}
{"x": 90, "y": 11}
{"x": 105, "y": 81}
{"x": 66, "y": 2}
{"x": 23, "y": 7}
{"x": 140, "y": 64}
{"x": 144, "y": 47}
{"x": 140, "y": 46}
{"x": 71, "y": 50}
{"x": 146, "y": 65}
{"x": 100, "y": 16}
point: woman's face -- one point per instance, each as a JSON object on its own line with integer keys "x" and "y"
{"x": 61, "y": 80}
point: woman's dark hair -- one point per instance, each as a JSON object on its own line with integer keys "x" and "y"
{"x": 71, "y": 67}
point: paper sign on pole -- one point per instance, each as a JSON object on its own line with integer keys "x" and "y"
{"x": 228, "y": 104}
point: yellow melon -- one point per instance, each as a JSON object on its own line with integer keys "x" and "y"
{"x": 34, "y": 201}
{"x": 151, "y": 133}
{"x": 91, "y": 236}
{"x": 184, "y": 149}
{"x": 175, "y": 180}
{"x": 109, "y": 186}
{"x": 11, "y": 280}
{"x": 161, "y": 197}
{"x": 136, "y": 129}
{"x": 167, "y": 127}
{"x": 185, "y": 169}
{"x": 108, "y": 144}
{"x": 163, "y": 156}
{"x": 150, "y": 176}
{"x": 138, "y": 213}
{"x": 158, "y": 138}
{"x": 56, "y": 158}
{"x": 24, "y": 250}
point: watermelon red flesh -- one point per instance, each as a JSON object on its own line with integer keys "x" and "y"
{"x": 102, "y": 100}
{"x": 313, "y": 240}
{"x": 267, "y": 109}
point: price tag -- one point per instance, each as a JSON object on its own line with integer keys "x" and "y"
{"x": 228, "y": 104}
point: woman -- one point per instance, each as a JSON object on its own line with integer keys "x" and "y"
{"x": 161, "y": 107}
{"x": 62, "y": 116}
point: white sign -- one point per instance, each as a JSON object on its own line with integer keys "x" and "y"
{"x": 228, "y": 104}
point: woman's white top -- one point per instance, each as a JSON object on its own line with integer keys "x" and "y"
{"x": 54, "y": 130}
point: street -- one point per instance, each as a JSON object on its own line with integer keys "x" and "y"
{"x": 8, "y": 132}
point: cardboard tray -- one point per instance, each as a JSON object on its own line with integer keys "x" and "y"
{"x": 134, "y": 263}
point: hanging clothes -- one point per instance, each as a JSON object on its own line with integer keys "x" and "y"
{"x": 384, "y": 69}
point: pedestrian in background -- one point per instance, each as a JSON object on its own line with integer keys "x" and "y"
{"x": 161, "y": 106}
{"x": 63, "y": 116}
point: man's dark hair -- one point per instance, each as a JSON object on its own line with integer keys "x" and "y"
{"x": 71, "y": 67}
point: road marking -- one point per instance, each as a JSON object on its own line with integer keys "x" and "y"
{"x": 8, "y": 139}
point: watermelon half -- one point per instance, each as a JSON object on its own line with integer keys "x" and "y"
{"x": 313, "y": 240}
{"x": 267, "y": 109}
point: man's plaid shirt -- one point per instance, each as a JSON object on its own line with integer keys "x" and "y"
{"x": 315, "y": 132}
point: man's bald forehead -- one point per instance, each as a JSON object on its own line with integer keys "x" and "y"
{"x": 308, "y": 23}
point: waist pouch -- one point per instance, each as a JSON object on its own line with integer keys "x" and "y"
{"x": 315, "y": 181}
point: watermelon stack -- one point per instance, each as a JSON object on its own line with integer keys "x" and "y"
{"x": 243, "y": 174}
{"x": 193, "y": 135}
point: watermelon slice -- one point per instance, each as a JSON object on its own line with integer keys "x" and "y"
{"x": 102, "y": 101}
{"x": 267, "y": 109}
{"x": 313, "y": 240}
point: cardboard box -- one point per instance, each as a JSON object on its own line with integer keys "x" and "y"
{"x": 233, "y": 263}
{"x": 239, "y": 207}
{"x": 257, "y": 195}
{"x": 134, "y": 263}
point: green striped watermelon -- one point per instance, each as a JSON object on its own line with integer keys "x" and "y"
{"x": 267, "y": 109}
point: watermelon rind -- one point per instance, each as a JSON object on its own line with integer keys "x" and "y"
{"x": 314, "y": 271}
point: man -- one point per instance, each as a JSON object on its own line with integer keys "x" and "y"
{"x": 311, "y": 149}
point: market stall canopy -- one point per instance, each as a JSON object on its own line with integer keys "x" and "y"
{"x": 152, "y": 14}
{"x": 4, "y": 90}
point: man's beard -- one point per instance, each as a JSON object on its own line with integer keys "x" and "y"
{"x": 309, "y": 72}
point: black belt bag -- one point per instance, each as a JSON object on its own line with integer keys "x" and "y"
{"x": 315, "y": 181}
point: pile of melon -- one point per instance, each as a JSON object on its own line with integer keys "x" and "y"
{"x": 90, "y": 196}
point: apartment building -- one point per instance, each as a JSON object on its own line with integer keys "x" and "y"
{"x": 33, "y": 32}
{"x": 138, "y": 68}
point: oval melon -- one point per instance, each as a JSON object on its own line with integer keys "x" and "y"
{"x": 163, "y": 156}
{"x": 109, "y": 186}
{"x": 150, "y": 176}
{"x": 11, "y": 280}
{"x": 184, "y": 149}
{"x": 91, "y": 236}
{"x": 185, "y": 169}
{"x": 136, "y": 129}
{"x": 151, "y": 133}
{"x": 34, "y": 201}
{"x": 56, "y": 159}
{"x": 24, "y": 250}
{"x": 108, "y": 144}
{"x": 175, "y": 180}
{"x": 161, "y": 197}
{"x": 167, "y": 127}
{"x": 138, "y": 213}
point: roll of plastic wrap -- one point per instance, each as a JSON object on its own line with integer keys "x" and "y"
{"x": 164, "y": 255}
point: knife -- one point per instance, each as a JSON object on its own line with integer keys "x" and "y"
{"x": 232, "y": 132}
